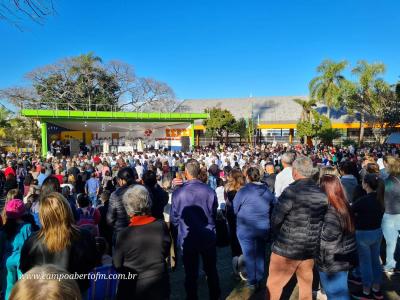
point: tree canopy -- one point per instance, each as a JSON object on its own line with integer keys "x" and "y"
{"x": 17, "y": 130}
{"x": 85, "y": 82}
{"x": 5, "y": 116}
{"x": 368, "y": 95}
{"x": 326, "y": 87}
{"x": 370, "y": 98}
{"x": 220, "y": 123}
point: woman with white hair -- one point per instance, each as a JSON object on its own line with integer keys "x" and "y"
{"x": 142, "y": 249}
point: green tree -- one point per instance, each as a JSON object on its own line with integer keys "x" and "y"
{"x": 5, "y": 116}
{"x": 326, "y": 87}
{"x": 220, "y": 123}
{"x": 392, "y": 109}
{"x": 314, "y": 127}
{"x": 240, "y": 128}
{"x": 368, "y": 95}
{"x": 328, "y": 135}
{"x": 306, "y": 114}
{"x": 23, "y": 131}
{"x": 307, "y": 107}
{"x": 84, "y": 82}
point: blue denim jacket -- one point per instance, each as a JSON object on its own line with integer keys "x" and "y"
{"x": 193, "y": 213}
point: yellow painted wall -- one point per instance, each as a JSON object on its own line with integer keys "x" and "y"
{"x": 293, "y": 126}
{"x": 199, "y": 127}
{"x": 66, "y": 135}
{"x": 77, "y": 135}
{"x": 347, "y": 125}
{"x": 89, "y": 137}
{"x": 277, "y": 126}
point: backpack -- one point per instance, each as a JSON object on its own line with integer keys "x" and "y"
{"x": 87, "y": 221}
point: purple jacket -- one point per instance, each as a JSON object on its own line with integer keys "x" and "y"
{"x": 193, "y": 212}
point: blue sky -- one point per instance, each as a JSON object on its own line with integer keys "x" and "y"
{"x": 211, "y": 48}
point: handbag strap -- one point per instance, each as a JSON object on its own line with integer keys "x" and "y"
{"x": 398, "y": 180}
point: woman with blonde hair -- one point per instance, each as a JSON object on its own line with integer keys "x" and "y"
{"x": 59, "y": 241}
{"x": 391, "y": 217}
{"x": 46, "y": 286}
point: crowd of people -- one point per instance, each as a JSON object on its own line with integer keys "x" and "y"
{"x": 318, "y": 213}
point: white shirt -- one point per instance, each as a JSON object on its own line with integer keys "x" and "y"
{"x": 139, "y": 171}
{"x": 220, "y": 191}
{"x": 380, "y": 163}
{"x": 283, "y": 179}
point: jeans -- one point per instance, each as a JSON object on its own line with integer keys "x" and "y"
{"x": 368, "y": 247}
{"x": 254, "y": 257}
{"x": 391, "y": 229}
{"x": 191, "y": 259}
{"x": 335, "y": 285}
{"x": 93, "y": 199}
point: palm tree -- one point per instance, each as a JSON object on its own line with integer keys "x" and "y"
{"x": 326, "y": 87}
{"x": 307, "y": 106}
{"x": 85, "y": 67}
{"x": 307, "y": 109}
{"x": 365, "y": 96}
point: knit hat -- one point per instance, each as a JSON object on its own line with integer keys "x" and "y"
{"x": 15, "y": 209}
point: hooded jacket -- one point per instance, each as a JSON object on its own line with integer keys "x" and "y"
{"x": 252, "y": 206}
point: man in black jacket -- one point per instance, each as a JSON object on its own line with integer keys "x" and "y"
{"x": 269, "y": 176}
{"x": 296, "y": 222}
{"x": 159, "y": 197}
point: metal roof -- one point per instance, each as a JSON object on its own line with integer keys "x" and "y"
{"x": 269, "y": 110}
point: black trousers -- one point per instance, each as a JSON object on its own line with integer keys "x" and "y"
{"x": 191, "y": 261}
{"x": 154, "y": 288}
{"x": 235, "y": 245}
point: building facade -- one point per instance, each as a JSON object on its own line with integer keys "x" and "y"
{"x": 275, "y": 117}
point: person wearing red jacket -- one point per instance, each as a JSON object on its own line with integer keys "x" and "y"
{"x": 10, "y": 170}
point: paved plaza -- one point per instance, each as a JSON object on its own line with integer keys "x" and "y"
{"x": 233, "y": 289}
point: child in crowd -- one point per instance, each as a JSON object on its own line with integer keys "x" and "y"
{"x": 102, "y": 288}
{"x": 89, "y": 217}
{"x": 105, "y": 230}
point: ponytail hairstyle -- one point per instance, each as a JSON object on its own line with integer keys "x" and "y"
{"x": 372, "y": 180}
{"x": 377, "y": 185}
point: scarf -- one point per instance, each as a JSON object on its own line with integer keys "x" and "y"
{"x": 141, "y": 220}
